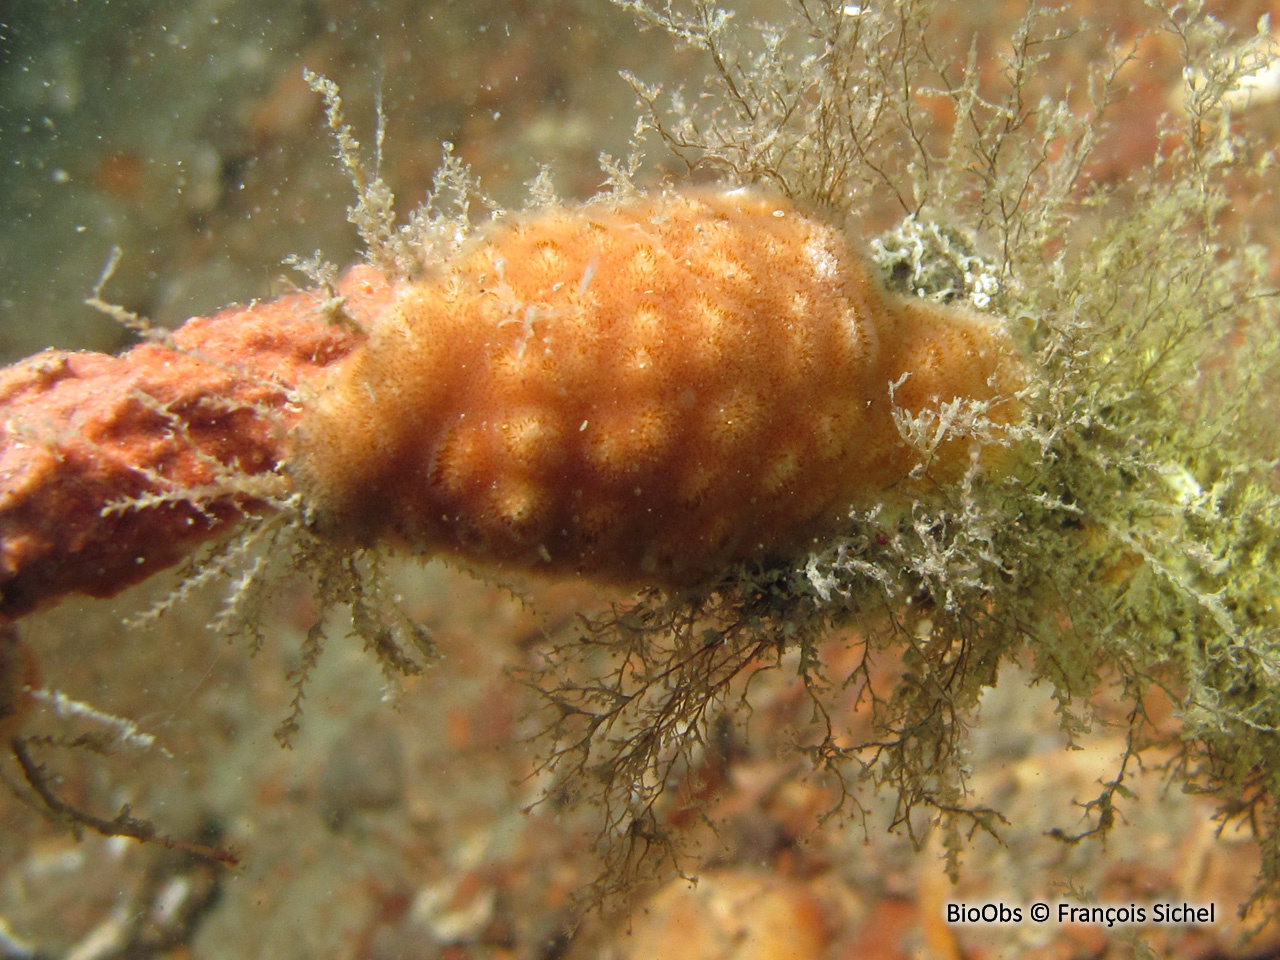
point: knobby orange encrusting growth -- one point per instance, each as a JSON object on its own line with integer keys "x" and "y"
{"x": 641, "y": 391}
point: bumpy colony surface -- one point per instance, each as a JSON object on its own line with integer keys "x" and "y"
{"x": 639, "y": 392}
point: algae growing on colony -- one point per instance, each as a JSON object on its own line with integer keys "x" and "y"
{"x": 1131, "y": 542}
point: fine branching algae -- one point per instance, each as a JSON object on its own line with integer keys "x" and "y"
{"x": 1132, "y": 541}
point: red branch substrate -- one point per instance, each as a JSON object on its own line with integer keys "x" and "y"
{"x": 81, "y": 432}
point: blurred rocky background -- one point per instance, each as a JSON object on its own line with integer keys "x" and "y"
{"x": 396, "y": 828}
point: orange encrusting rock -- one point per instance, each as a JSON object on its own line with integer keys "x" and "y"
{"x": 87, "y": 439}
{"x": 639, "y": 392}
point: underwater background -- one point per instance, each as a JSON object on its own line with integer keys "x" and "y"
{"x": 184, "y": 133}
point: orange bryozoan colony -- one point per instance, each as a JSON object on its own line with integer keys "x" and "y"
{"x": 641, "y": 391}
